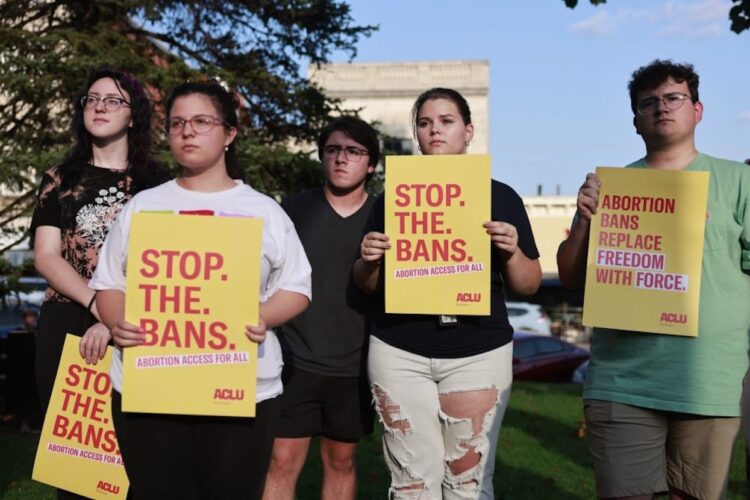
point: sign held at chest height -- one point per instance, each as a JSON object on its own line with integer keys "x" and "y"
{"x": 645, "y": 251}
{"x": 192, "y": 285}
{"x": 440, "y": 257}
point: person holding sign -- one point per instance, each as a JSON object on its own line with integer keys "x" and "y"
{"x": 325, "y": 387}
{"x": 180, "y": 456}
{"x": 78, "y": 202}
{"x": 662, "y": 410}
{"x": 432, "y": 375}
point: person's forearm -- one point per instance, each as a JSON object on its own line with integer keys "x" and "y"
{"x": 111, "y": 305}
{"x": 62, "y": 277}
{"x": 366, "y": 275}
{"x": 522, "y": 275}
{"x": 283, "y": 306}
{"x": 572, "y": 253}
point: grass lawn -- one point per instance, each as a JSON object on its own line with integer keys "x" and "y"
{"x": 539, "y": 455}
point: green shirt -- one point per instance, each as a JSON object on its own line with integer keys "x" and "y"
{"x": 701, "y": 375}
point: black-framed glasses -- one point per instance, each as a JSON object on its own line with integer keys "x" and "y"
{"x": 672, "y": 101}
{"x": 351, "y": 153}
{"x": 111, "y": 103}
{"x": 201, "y": 124}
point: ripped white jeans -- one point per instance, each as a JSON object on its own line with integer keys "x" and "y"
{"x": 441, "y": 419}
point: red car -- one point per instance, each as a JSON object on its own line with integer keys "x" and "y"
{"x": 545, "y": 359}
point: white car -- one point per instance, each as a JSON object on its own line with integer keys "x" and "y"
{"x": 528, "y": 317}
{"x": 35, "y": 295}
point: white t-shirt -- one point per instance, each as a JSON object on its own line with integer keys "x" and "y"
{"x": 284, "y": 264}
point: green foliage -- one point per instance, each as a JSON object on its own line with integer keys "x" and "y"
{"x": 739, "y": 14}
{"x": 278, "y": 169}
{"x": 48, "y": 48}
{"x": 571, "y": 4}
{"x": 10, "y": 276}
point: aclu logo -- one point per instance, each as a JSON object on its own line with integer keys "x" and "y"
{"x": 673, "y": 318}
{"x": 229, "y": 394}
{"x": 468, "y": 298}
{"x": 107, "y": 487}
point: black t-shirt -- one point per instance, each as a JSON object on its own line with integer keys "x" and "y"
{"x": 328, "y": 337}
{"x": 84, "y": 215}
{"x": 421, "y": 334}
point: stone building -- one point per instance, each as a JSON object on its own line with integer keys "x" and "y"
{"x": 384, "y": 92}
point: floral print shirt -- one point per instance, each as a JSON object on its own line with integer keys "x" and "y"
{"x": 83, "y": 214}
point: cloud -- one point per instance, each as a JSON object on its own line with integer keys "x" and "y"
{"x": 665, "y": 18}
{"x": 744, "y": 115}
{"x": 601, "y": 23}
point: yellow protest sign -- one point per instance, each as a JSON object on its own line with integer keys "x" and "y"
{"x": 192, "y": 285}
{"x": 645, "y": 251}
{"x": 78, "y": 449}
{"x": 439, "y": 261}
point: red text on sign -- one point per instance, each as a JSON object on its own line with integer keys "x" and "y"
{"x": 169, "y": 298}
{"x": 85, "y": 433}
{"x": 86, "y": 406}
{"x": 434, "y": 195}
{"x": 88, "y": 378}
{"x": 189, "y": 265}
{"x": 185, "y": 333}
{"x": 420, "y": 222}
{"x": 431, "y": 250}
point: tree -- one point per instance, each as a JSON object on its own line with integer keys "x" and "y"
{"x": 739, "y": 14}
{"x": 255, "y": 46}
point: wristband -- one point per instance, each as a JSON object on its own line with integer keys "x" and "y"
{"x": 91, "y": 302}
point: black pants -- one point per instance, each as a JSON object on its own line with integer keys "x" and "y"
{"x": 56, "y": 319}
{"x": 190, "y": 457}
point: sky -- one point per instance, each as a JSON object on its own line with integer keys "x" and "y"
{"x": 558, "y": 97}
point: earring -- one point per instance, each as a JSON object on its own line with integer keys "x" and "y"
{"x": 419, "y": 147}
{"x": 226, "y": 148}
{"x": 467, "y": 144}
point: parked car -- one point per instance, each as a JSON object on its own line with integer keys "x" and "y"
{"x": 579, "y": 376}
{"x": 35, "y": 286}
{"x": 545, "y": 359}
{"x": 529, "y": 318}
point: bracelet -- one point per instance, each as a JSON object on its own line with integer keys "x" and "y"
{"x": 91, "y": 302}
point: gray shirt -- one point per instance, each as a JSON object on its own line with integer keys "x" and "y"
{"x": 329, "y": 337}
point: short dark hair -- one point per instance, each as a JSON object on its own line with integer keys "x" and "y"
{"x": 659, "y": 71}
{"x": 226, "y": 104}
{"x": 441, "y": 93}
{"x": 357, "y": 130}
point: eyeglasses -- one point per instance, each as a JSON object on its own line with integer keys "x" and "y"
{"x": 673, "y": 101}
{"x": 111, "y": 103}
{"x": 201, "y": 124}
{"x": 350, "y": 152}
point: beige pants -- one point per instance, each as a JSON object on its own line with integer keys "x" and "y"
{"x": 640, "y": 451}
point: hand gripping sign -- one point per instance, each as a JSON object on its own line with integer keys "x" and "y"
{"x": 439, "y": 261}
{"x": 193, "y": 286}
{"x": 78, "y": 449}
{"x": 645, "y": 251}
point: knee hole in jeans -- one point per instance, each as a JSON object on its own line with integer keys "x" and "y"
{"x": 390, "y": 413}
{"x": 471, "y": 406}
